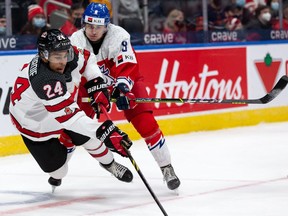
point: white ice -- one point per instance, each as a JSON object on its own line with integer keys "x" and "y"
{"x": 231, "y": 172}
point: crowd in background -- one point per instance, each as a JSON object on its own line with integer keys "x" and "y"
{"x": 164, "y": 16}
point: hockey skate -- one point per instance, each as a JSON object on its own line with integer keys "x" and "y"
{"x": 170, "y": 177}
{"x": 54, "y": 183}
{"x": 119, "y": 171}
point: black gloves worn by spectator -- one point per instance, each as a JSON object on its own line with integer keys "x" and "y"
{"x": 98, "y": 94}
{"x": 125, "y": 99}
{"x": 113, "y": 138}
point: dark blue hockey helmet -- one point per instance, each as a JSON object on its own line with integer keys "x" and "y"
{"x": 96, "y": 14}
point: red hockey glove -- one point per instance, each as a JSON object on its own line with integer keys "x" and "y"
{"x": 125, "y": 99}
{"x": 98, "y": 94}
{"x": 113, "y": 137}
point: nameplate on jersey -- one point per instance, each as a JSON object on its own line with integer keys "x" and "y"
{"x": 33, "y": 66}
{"x": 94, "y": 21}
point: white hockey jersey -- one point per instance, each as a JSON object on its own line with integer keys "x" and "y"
{"x": 116, "y": 57}
{"x": 43, "y": 102}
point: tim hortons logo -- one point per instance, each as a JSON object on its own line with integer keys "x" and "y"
{"x": 207, "y": 85}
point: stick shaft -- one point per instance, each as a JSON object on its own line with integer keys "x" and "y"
{"x": 138, "y": 170}
{"x": 280, "y": 85}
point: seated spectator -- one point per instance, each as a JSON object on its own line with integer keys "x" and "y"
{"x": 73, "y": 23}
{"x": 36, "y": 21}
{"x": 262, "y": 19}
{"x": 128, "y": 9}
{"x": 231, "y": 21}
{"x": 285, "y": 19}
{"x": 175, "y": 23}
{"x": 274, "y": 8}
{"x": 215, "y": 14}
{"x": 258, "y": 27}
{"x": 2, "y": 23}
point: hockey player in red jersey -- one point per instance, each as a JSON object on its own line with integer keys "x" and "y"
{"x": 43, "y": 108}
{"x": 118, "y": 63}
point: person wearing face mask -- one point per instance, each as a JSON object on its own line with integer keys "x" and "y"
{"x": 259, "y": 28}
{"x": 73, "y": 23}
{"x": 2, "y": 23}
{"x": 285, "y": 19}
{"x": 274, "y": 6}
{"x": 37, "y": 21}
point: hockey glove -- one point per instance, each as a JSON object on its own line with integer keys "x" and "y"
{"x": 113, "y": 138}
{"x": 125, "y": 99}
{"x": 98, "y": 94}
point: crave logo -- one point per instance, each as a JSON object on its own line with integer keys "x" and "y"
{"x": 268, "y": 69}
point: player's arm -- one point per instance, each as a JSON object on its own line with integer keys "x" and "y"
{"x": 127, "y": 69}
{"x": 95, "y": 85}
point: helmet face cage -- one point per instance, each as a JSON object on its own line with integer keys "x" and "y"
{"x": 96, "y": 14}
{"x": 52, "y": 41}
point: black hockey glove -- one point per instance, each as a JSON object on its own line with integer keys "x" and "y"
{"x": 113, "y": 138}
{"x": 125, "y": 99}
{"x": 98, "y": 94}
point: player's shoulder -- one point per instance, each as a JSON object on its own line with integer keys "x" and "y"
{"x": 77, "y": 38}
{"x": 117, "y": 33}
{"x": 45, "y": 82}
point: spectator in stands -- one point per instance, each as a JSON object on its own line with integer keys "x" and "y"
{"x": 2, "y": 23}
{"x": 243, "y": 14}
{"x": 129, "y": 10}
{"x": 285, "y": 19}
{"x": 36, "y": 21}
{"x": 73, "y": 23}
{"x": 175, "y": 23}
{"x": 258, "y": 27}
{"x": 274, "y": 8}
{"x": 215, "y": 14}
{"x": 231, "y": 21}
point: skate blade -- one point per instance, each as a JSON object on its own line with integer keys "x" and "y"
{"x": 176, "y": 191}
{"x": 53, "y": 189}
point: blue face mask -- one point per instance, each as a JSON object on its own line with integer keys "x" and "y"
{"x": 240, "y": 3}
{"x": 275, "y": 6}
{"x": 2, "y": 30}
{"x": 39, "y": 22}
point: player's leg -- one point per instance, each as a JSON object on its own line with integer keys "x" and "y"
{"x": 148, "y": 128}
{"x": 102, "y": 154}
{"x": 51, "y": 156}
{"x": 144, "y": 122}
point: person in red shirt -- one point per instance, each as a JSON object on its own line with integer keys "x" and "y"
{"x": 73, "y": 23}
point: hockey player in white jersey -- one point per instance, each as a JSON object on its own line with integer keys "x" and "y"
{"x": 118, "y": 63}
{"x": 43, "y": 108}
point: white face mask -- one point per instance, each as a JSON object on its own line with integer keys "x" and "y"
{"x": 266, "y": 16}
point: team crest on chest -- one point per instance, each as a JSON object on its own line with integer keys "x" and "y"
{"x": 109, "y": 80}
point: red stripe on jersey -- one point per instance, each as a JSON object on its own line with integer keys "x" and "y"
{"x": 64, "y": 118}
{"x": 61, "y": 105}
{"x": 24, "y": 66}
{"x": 86, "y": 55}
{"x": 32, "y": 133}
{"x": 101, "y": 154}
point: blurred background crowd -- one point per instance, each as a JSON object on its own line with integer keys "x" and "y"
{"x": 149, "y": 21}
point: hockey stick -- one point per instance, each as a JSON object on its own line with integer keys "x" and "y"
{"x": 138, "y": 169}
{"x": 280, "y": 85}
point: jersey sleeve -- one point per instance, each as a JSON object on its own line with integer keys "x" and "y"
{"x": 125, "y": 67}
{"x": 89, "y": 67}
